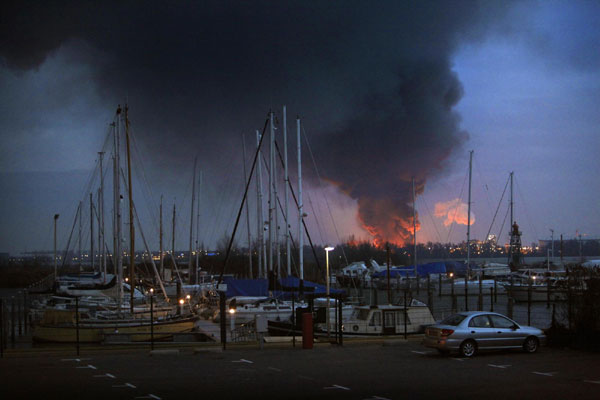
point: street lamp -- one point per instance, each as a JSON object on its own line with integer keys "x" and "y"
{"x": 55, "y": 263}
{"x": 327, "y": 250}
{"x": 552, "y": 239}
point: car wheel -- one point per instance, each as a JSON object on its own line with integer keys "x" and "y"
{"x": 468, "y": 348}
{"x": 531, "y": 344}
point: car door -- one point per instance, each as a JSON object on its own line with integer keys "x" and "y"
{"x": 509, "y": 333}
{"x": 480, "y": 328}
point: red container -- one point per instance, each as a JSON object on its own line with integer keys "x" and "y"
{"x": 307, "y": 331}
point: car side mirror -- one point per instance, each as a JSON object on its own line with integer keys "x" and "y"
{"x": 514, "y": 327}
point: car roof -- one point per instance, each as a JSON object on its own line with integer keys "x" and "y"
{"x": 472, "y": 313}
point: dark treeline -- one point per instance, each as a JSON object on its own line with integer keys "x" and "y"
{"x": 19, "y": 272}
{"x": 352, "y": 251}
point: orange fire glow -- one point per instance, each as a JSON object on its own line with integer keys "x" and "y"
{"x": 382, "y": 219}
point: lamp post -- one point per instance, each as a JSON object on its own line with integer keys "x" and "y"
{"x": 552, "y": 239}
{"x": 55, "y": 264}
{"x": 327, "y": 250}
{"x": 152, "y": 318}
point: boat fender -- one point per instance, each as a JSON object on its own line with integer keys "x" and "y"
{"x": 355, "y": 328}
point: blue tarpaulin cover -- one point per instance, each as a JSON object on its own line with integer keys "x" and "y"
{"x": 293, "y": 282}
{"x": 246, "y": 287}
{"x": 260, "y": 287}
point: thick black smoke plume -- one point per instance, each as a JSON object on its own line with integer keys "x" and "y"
{"x": 373, "y": 80}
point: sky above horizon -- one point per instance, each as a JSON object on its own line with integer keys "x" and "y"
{"x": 385, "y": 94}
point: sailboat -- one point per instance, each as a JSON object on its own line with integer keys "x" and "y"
{"x": 61, "y": 326}
{"x": 93, "y": 322}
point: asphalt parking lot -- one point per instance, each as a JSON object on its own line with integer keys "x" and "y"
{"x": 397, "y": 370}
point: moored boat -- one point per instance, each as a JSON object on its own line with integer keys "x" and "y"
{"x": 59, "y": 326}
{"x": 382, "y": 320}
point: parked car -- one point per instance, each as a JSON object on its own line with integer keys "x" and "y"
{"x": 470, "y": 332}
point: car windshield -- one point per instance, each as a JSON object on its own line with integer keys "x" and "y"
{"x": 453, "y": 320}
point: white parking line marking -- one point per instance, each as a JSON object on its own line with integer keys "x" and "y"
{"x": 336, "y": 387}
{"x": 544, "y": 373}
{"x": 596, "y": 382}
{"x": 90, "y": 366}
{"x": 420, "y": 352}
{"x": 377, "y": 398}
{"x": 75, "y": 359}
{"x": 499, "y": 366}
{"x": 459, "y": 359}
{"x": 274, "y": 369}
{"x": 243, "y": 361}
{"x": 150, "y": 396}
{"x": 129, "y": 385}
{"x": 105, "y": 376}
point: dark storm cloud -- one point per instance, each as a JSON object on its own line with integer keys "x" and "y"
{"x": 372, "y": 80}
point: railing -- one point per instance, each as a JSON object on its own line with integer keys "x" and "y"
{"x": 244, "y": 333}
{"x": 43, "y": 284}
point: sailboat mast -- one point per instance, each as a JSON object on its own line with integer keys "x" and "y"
{"x": 469, "y": 214}
{"x": 260, "y": 215}
{"x": 92, "y": 230}
{"x": 271, "y": 199}
{"x": 287, "y": 183}
{"x": 198, "y": 225}
{"x": 118, "y": 252}
{"x": 160, "y": 282}
{"x": 131, "y": 224}
{"x": 173, "y": 238}
{"x": 414, "y": 224}
{"x": 101, "y": 217}
{"x": 512, "y": 221}
{"x": 114, "y": 213}
{"x": 276, "y": 210}
{"x": 99, "y": 235}
{"x": 300, "y": 210}
{"x": 79, "y": 215}
{"x": 160, "y": 239}
{"x": 192, "y": 274}
{"x": 247, "y": 210}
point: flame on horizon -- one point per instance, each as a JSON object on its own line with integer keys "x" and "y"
{"x": 382, "y": 218}
{"x": 453, "y": 211}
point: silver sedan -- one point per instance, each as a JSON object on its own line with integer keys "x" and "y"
{"x": 469, "y": 332}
